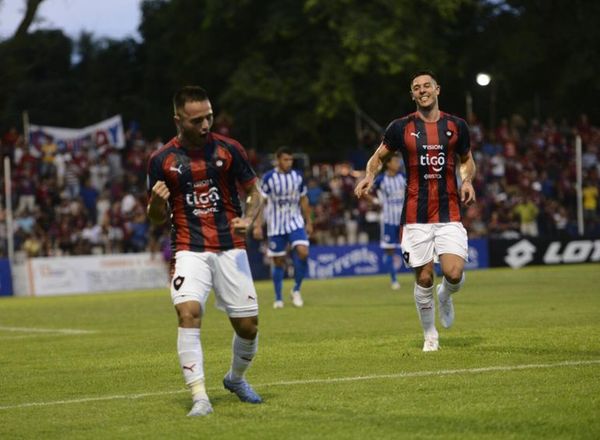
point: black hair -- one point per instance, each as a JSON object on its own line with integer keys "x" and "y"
{"x": 283, "y": 150}
{"x": 188, "y": 94}
{"x": 420, "y": 73}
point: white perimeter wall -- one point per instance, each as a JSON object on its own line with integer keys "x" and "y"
{"x": 88, "y": 274}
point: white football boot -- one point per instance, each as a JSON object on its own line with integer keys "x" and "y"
{"x": 446, "y": 308}
{"x": 202, "y": 407}
{"x": 297, "y": 298}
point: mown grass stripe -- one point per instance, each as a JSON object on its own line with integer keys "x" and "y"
{"x": 323, "y": 381}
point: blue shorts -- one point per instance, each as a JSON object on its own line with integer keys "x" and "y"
{"x": 278, "y": 243}
{"x": 390, "y": 236}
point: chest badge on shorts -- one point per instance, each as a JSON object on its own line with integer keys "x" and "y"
{"x": 177, "y": 282}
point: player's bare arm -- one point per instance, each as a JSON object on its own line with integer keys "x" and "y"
{"x": 254, "y": 203}
{"x": 257, "y": 230}
{"x": 306, "y": 213}
{"x": 157, "y": 207}
{"x": 373, "y": 166}
{"x": 467, "y": 172}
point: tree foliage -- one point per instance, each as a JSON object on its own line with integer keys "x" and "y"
{"x": 294, "y": 71}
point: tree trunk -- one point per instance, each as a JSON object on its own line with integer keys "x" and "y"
{"x": 32, "y": 7}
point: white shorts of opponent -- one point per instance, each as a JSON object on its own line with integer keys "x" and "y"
{"x": 227, "y": 272}
{"x": 424, "y": 242}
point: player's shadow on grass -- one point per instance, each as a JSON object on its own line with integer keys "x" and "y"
{"x": 456, "y": 341}
{"x": 216, "y": 399}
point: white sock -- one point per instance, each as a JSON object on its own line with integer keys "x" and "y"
{"x": 448, "y": 288}
{"x": 426, "y": 309}
{"x": 191, "y": 360}
{"x": 243, "y": 353}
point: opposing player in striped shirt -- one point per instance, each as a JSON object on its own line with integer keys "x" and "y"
{"x": 287, "y": 214}
{"x": 432, "y": 144}
{"x": 389, "y": 187}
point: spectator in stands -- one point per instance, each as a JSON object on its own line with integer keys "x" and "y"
{"x": 526, "y": 212}
{"x": 314, "y": 192}
{"x": 48, "y": 151}
{"x": 32, "y": 245}
{"x": 590, "y": 201}
{"x": 137, "y": 232}
{"x": 89, "y": 195}
{"x": 99, "y": 172}
{"x": 11, "y": 137}
{"x": 537, "y": 154}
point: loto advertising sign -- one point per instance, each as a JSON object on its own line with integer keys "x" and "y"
{"x": 519, "y": 253}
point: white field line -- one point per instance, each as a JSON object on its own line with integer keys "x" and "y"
{"x": 323, "y": 381}
{"x": 62, "y": 331}
{"x": 13, "y": 337}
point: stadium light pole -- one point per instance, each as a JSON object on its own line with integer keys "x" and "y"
{"x": 579, "y": 185}
{"x": 469, "y": 105}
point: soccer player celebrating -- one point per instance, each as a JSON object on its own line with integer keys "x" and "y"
{"x": 193, "y": 178}
{"x": 287, "y": 203}
{"x": 432, "y": 143}
{"x": 389, "y": 187}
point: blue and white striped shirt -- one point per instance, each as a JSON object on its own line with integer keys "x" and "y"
{"x": 390, "y": 192}
{"x": 283, "y": 191}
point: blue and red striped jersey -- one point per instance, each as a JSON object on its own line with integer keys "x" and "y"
{"x": 204, "y": 196}
{"x": 429, "y": 150}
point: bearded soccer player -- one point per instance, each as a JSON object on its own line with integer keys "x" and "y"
{"x": 432, "y": 144}
{"x": 193, "y": 179}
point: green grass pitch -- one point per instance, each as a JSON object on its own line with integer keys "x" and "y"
{"x": 522, "y": 361}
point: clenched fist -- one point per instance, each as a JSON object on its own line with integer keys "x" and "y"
{"x": 160, "y": 190}
{"x": 240, "y": 225}
{"x": 158, "y": 202}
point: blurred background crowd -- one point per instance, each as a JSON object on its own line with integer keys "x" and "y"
{"x": 311, "y": 75}
{"x": 93, "y": 200}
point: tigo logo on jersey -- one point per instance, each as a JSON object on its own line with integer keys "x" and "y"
{"x": 205, "y": 203}
{"x": 436, "y": 162}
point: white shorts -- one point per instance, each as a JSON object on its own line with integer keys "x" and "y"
{"x": 424, "y": 242}
{"x": 227, "y": 272}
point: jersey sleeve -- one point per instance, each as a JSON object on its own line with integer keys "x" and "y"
{"x": 393, "y": 137}
{"x": 302, "y": 187}
{"x": 265, "y": 189}
{"x": 155, "y": 172}
{"x": 377, "y": 182}
{"x": 464, "y": 139}
{"x": 241, "y": 168}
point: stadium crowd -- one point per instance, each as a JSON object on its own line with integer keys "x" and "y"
{"x": 93, "y": 200}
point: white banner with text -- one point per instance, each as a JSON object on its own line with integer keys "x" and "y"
{"x": 95, "y": 273}
{"x": 107, "y": 132}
